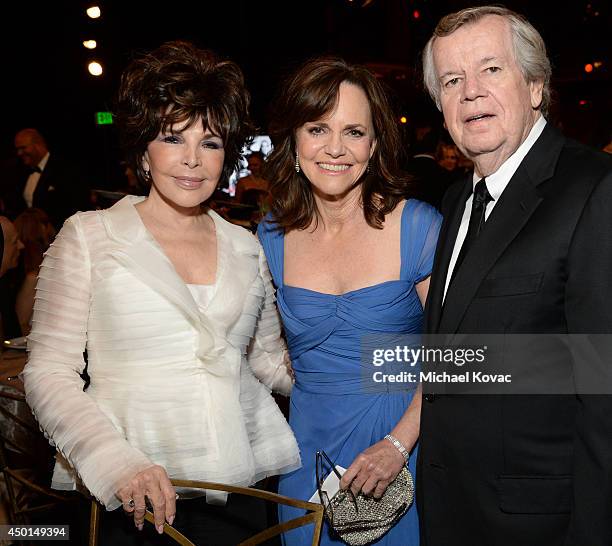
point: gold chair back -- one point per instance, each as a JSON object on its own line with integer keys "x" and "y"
{"x": 313, "y": 516}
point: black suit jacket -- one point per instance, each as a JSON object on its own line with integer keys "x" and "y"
{"x": 520, "y": 470}
{"x": 61, "y": 191}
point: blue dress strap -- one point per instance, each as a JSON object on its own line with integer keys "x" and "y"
{"x": 420, "y": 229}
{"x": 272, "y": 240}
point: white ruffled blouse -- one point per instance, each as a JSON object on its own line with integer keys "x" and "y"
{"x": 173, "y": 383}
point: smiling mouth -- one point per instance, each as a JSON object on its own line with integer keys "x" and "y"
{"x": 333, "y": 167}
{"x": 188, "y": 182}
{"x": 478, "y": 117}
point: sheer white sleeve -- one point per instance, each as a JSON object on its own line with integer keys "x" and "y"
{"x": 68, "y": 416}
{"x": 267, "y": 352}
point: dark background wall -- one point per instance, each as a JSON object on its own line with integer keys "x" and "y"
{"x": 46, "y": 83}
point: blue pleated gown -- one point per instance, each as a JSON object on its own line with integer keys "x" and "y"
{"x": 330, "y": 408}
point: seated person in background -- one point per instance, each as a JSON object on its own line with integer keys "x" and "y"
{"x": 36, "y": 233}
{"x": 253, "y": 181}
{"x": 448, "y": 156}
{"x": 176, "y": 309}
{"x": 133, "y": 186}
{"x": 451, "y": 159}
{"x": 253, "y": 189}
{"x": 430, "y": 180}
{"x": 10, "y": 247}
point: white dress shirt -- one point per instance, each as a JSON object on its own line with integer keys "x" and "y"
{"x": 496, "y": 184}
{"x": 32, "y": 182}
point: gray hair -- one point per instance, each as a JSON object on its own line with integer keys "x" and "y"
{"x": 529, "y": 49}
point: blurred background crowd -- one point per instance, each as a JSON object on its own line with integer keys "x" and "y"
{"x": 59, "y": 151}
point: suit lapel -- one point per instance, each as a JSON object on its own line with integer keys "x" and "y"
{"x": 516, "y": 205}
{"x": 234, "y": 269}
{"x": 42, "y": 187}
{"x": 137, "y": 251}
{"x": 444, "y": 251}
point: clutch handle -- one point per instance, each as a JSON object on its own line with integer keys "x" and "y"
{"x": 329, "y": 507}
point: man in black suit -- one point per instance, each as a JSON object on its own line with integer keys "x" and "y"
{"x": 525, "y": 248}
{"x": 50, "y": 183}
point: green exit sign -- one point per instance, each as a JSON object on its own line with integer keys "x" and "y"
{"x": 104, "y": 118}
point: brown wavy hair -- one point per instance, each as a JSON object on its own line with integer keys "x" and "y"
{"x": 36, "y": 233}
{"x": 309, "y": 95}
{"x": 177, "y": 83}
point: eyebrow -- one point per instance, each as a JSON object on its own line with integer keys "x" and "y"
{"x": 355, "y": 125}
{"x": 482, "y": 61}
{"x": 349, "y": 126}
{"x": 486, "y": 60}
{"x": 207, "y": 134}
{"x": 448, "y": 73}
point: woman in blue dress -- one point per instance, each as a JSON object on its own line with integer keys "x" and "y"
{"x": 351, "y": 259}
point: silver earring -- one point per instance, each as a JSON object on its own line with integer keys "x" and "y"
{"x": 147, "y": 174}
{"x": 368, "y": 167}
{"x": 297, "y": 163}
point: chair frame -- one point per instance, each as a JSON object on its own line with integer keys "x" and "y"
{"x": 314, "y": 515}
{"x": 18, "y": 482}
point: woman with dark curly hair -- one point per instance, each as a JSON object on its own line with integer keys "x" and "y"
{"x": 350, "y": 258}
{"x": 175, "y": 308}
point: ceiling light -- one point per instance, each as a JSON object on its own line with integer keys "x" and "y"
{"x": 93, "y": 12}
{"x": 95, "y": 68}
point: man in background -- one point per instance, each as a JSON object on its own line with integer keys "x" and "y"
{"x": 49, "y": 182}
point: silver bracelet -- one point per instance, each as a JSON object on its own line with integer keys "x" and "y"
{"x": 400, "y": 447}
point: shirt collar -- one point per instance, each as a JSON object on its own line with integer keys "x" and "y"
{"x": 497, "y": 182}
{"x": 43, "y": 162}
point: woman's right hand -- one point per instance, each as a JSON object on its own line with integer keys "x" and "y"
{"x": 154, "y": 484}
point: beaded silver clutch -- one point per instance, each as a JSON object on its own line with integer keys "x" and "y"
{"x": 360, "y": 520}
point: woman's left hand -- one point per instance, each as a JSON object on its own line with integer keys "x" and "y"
{"x": 374, "y": 469}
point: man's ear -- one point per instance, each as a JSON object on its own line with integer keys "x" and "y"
{"x": 535, "y": 91}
